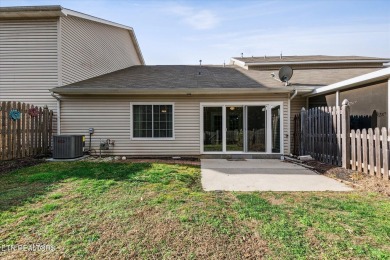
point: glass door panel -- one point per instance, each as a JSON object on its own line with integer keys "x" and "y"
{"x": 212, "y": 129}
{"x": 275, "y": 126}
{"x": 234, "y": 129}
{"x": 256, "y": 129}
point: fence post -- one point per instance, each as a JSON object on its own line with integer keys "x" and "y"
{"x": 385, "y": 154}
{"x": 345, "y": 135}
{"x": 303, "y": 131}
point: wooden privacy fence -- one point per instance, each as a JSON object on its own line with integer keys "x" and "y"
{"x": 325, "y": 134}
{"x": 318, "y": 132}
{"x": 26, "y": 130}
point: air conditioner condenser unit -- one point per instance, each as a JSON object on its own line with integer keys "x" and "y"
{"x": 68, "y": 146}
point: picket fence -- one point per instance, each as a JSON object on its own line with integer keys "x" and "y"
{"x": 370, "y": 152}
{"x": 325, "y": 134}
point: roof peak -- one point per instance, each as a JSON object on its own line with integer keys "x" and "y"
{"x": 55, "y": 11}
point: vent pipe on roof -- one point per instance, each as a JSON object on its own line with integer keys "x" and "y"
{"x": 281, "y": 55}
{"x": 265, "y": 56}
{"x": 200, "y": 63}
{"x": 242, "y": 55}
{"x": 224, "y": 64}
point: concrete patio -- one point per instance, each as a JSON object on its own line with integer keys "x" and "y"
{"x": 263, "y": 175}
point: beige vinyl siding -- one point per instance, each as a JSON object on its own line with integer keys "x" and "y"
{"x": 90, "y": 49}
{"x": 295, "y": 108}
{"x": 110, "y": 116}
{"x": 28, "y": 61}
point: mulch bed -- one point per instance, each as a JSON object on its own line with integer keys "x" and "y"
{"x": 195, "y": 162}
{"x": 168, "y": 160}
{"x": 8, "y": 166}
{"x": 357, "y": 180}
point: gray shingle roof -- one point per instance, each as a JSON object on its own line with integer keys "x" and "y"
{"x": 310, "y": 58}
{"x": 210, "y": 77}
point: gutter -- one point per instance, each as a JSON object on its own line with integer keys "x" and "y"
{"x": 167, "y": 91}
{"x": 58, "y": 113}
{"x": 314, "y": 62}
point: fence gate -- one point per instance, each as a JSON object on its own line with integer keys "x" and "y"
{"x": 325, "y": 134}
{"x": 26, "y": 130}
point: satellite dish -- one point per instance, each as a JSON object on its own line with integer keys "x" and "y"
{"x": 285, "y": 73}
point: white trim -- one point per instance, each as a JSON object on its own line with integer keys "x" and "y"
{"x": 239, "y": 63}
{"x": 223, "y": 105}
{"x": 363, "y": 79}
{"x": 67, "y": 12}
{"x": 288, "y": 124}
{"x": 58, "y": 113}
{"x": 244, "y": 103}
{"x": 388, "y": 103}
{"x": 201, "y": 128}
{"x": 270, "y": 63}
{"x": 152, "y": 138}
{"x": 224, "y": 130}
{"x": 268, "y": 133}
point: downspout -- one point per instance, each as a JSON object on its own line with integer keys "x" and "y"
{"x": 337, "y": 98}
{"x": 58, "y": 113}
{"x": 289, "y": 118}
{"x": 293, "y": 95}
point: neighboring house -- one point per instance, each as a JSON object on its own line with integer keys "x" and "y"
{"x": 214, "y": 111}
{"x": 368, "y": 96}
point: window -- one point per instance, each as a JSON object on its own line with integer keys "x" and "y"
{"x": 153, "y": 121}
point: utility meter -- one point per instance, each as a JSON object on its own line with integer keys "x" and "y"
{"x": 91, "y": 130}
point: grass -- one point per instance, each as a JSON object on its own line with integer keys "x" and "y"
{"x": 141, "y": 210}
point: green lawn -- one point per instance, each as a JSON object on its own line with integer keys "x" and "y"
{"x": 149, "y": 211}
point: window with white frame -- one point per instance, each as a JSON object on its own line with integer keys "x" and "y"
{"x": 152, "y": 121}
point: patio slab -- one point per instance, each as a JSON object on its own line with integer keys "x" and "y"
{"x": 263, "y": 175}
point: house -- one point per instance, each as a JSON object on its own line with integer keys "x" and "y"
{"x": 368, "y": 93}
{"x": 100, "y": 81}
{"x": 368, "y": 97}
{"x": 184, "y": 110}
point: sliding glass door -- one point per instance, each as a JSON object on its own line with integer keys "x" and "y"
{"x": 212, "y": 129}
{"x": 241, "y": 128}
{"x": 256, "y": 128}
{"x": 275, "y": 121}
{"x": 234, "y": 129}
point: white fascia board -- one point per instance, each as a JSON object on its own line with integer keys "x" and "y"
{"x": 313, "y": 62}
{"x": 234, "y": 61}
{"x": 93, "y": 18}
{"x": 137, "y": 47}
{"x": 360, "y": 80}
